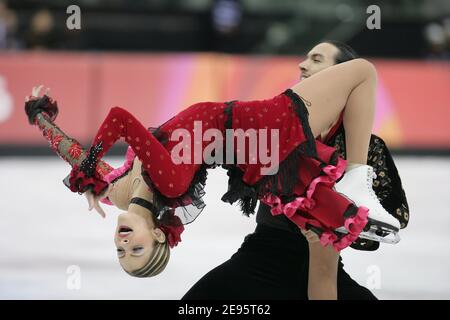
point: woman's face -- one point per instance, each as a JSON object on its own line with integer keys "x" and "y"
{"x": 134, "y": 238}
{"x": 318, "y": 58}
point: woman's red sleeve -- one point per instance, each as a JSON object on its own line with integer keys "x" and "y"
{"x": 172, "y": 180}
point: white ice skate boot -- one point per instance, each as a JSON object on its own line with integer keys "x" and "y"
{"x": 356, "y": 185}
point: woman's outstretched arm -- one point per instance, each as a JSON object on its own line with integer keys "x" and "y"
{"x": 67, "y": 148}
{"x": 42, "y": 112}
{"x": 171, "y": 179}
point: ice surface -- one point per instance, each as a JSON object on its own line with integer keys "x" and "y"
{"x": 45, "y": 229}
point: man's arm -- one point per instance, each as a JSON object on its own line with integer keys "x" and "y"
{"x": 323, "y": 265}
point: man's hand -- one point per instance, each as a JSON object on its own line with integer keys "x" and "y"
{"x": 310, "y": 235}
{"x": 94, "y": 201}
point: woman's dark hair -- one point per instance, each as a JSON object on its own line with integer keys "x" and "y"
{"x": 345, "y": 53}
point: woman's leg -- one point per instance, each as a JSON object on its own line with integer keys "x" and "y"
{"x": 351, "y": 85}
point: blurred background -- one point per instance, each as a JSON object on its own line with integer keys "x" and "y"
{"x": 155, "y": 57}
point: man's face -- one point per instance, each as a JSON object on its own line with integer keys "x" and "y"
{"x": 318, "y": 58}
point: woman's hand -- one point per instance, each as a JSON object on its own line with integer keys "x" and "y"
{"x": 35, "y": 93}
{"x": 94, "y": 201}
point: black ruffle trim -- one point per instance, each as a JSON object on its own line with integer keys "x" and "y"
{"x": 189, "y": 205}
{"x": 45, "y": 105}
{"x": 281, "y": 184}
{"x": 303, "y": 114}
{"x": 238, "y": 190}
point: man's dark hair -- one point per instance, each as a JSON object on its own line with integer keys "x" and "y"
{"x": 345, "y": 53}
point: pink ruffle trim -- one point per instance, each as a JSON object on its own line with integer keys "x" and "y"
{"x": 303, "y": 203}
{"x": 129, "y": 158}
{"x": 354, "y": 225}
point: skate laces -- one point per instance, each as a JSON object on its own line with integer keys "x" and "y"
{"x": 371, "y": 175}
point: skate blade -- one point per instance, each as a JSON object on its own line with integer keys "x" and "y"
{"x": 377, "y": 233}
{"x": 381, "y": 235}
{"x": 381, "y": 232}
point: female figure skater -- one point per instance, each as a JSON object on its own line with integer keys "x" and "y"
{"x": 307, "y": 197}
